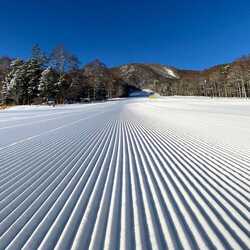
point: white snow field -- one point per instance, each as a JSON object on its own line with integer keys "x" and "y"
{"x": 166, "y": 173}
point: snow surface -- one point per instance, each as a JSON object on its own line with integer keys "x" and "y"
{"x": 170, "y": 72}
{"x": 165, "y": 173}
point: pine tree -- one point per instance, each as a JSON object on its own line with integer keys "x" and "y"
{"x": 5, "y": 89}
{"x": 22, "y": 81}
{"x": 61, "y": 87}
{"x": 33, "y": 74}
{"x": 48, "y": 83}
{"x": 12, "y": 84}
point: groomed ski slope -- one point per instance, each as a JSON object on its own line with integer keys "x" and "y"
{"x": 169, "y": 173}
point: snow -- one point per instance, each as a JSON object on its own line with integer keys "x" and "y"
{"x": 170, "y": 72}
{"x": 148, "y": 90}
{"x": 140, "y": 173}
{"x": 45, "y": 107}
{"x": 221, "y": 121}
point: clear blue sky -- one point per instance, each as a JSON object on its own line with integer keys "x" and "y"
{"x": 191, "y": 34}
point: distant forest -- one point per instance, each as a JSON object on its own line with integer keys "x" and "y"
{"x": 58, "y": 75}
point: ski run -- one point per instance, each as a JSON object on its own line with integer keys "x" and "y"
{"x": 165, "y": 173}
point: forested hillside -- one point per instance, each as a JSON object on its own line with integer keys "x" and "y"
{"x": 58, "y": 75}
{"x": 229, "y": 80}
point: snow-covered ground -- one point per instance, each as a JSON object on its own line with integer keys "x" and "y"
{"x": 165, "y": 173}
{"x": 170, "y": 72}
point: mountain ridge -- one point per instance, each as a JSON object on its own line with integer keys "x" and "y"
{"x": 98, "y": 81}
{"x": 218, "y": 80}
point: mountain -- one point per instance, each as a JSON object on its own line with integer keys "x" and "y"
{"x": 147, "y": 76}
{"x": 232, "y": 79}
{"x": 96, "y": 81}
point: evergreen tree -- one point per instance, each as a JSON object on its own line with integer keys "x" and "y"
{"x": 61, "y": 87}
{"x": 13, "y": 82}
{"x": 33, "y": 74}
{"x": 48, "y": 83}
{"x": 6, "y": 89}
{"x": 21, "y": 83}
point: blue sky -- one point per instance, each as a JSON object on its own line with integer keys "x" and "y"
{"x": 187, "y": 34}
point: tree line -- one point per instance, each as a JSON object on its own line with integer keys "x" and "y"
{"x": 56, "y": 76}
{"x": 227, "y": 80}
